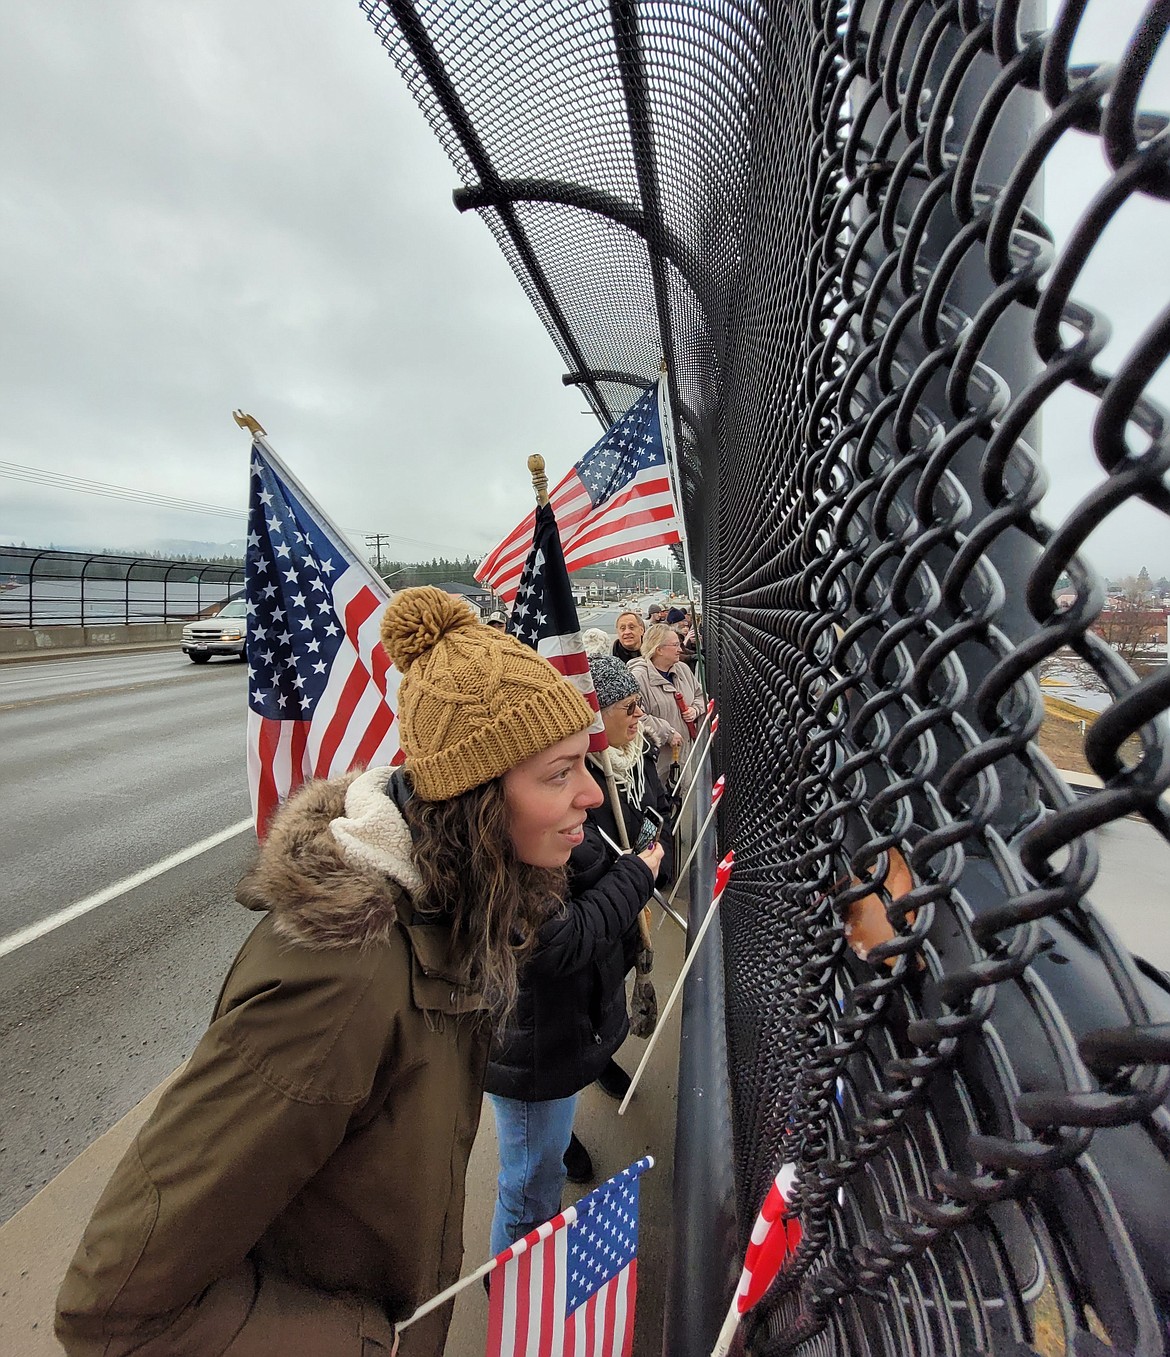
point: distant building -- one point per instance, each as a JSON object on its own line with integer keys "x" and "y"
{"x": 481, "y": 599}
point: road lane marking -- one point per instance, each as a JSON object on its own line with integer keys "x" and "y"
{"x": 14, "y": 941}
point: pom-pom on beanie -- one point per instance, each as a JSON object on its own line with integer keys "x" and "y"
{"x": 611, "y": 679}
{"x": 472, "y": 702}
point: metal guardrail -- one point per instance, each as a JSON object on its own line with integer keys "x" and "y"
{"x": 827, "y": 217}
{"x": 72, "y": 588}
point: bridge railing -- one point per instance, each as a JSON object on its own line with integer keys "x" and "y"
{"x": 45, "y": 588}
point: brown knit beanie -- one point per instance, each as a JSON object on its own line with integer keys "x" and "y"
{"x": 472, "y": 702}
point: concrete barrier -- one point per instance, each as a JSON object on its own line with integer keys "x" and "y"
{"x": 21, "y": 642}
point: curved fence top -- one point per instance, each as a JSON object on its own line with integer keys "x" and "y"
{"x": 829, "y": 220}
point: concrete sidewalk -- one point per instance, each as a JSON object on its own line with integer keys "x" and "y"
{"x": 38, "y": 1242}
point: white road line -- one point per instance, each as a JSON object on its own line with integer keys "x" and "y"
{"x": 24, "y": 936}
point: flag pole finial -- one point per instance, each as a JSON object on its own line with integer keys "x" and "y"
{"x": 252, "y": 425}
{"x": 539, "y": 479}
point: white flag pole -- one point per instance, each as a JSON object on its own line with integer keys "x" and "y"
{"x": 666, "y": 423}
{"x": 258, "y": 436}
{"x": 723, "y": 872}
{"x": 716, "y": 796}
{"x": 695, "y": 775}
{"x": 529, "y": 1241}
{"x": 727, "y": 1332}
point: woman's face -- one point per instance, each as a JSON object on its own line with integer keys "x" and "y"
{"x": 547, "y": 797}
{"x": 666, "y": 656}
{"x": 621, "y": 721}
{"x": 630, "y": 630}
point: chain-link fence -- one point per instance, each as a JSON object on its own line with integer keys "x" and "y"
{"x": 828, "y": 219}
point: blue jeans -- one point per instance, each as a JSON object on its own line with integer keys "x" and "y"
{"x": 533, "y": 1139}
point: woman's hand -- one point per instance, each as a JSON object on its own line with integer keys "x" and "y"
{"x": 690, "y": 713}
{"x": 676, "y": 740}
{"x": 652, "y": 857}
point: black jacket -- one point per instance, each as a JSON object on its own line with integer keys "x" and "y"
{"x": 571, "y": 1014}
{"x": 656, "y": 798}
{"x": 621, "y": 653}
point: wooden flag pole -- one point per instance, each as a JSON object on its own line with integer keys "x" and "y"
{"x": 723, "y": 872}
{"x": 727, "y": 1332}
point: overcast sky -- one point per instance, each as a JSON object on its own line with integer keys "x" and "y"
{"x": 236, "y": 203}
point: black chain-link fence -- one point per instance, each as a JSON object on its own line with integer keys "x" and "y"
{"x": 828, "y": 219}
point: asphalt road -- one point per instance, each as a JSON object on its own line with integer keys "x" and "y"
{"x": 111, "y": 764}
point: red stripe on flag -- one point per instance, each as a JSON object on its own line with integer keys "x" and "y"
{"x": 635, "y": 519}
{"x": 300, "y": 739}
{"x": 495, "y": 1333}
{"x": 376, "y": 732}
{"x": 355, "y": 686}
{"x": 608, "y": 552}
{"x": 359, "y": 610}
{"x": 548, "y": 1296}
{"x": 380, "y": 662}
{"x": 267, "y": 792}
{"x": 523, "y": 1296}
{"x": 631, "y": 1296}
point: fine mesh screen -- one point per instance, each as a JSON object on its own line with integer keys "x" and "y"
{"x": 829, "y": 220}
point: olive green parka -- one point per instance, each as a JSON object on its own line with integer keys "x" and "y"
{"x": 300, "y": 1184}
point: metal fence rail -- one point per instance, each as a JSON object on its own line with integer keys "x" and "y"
{"x": 827, "y": 218}
{"x": 45, "y": 588}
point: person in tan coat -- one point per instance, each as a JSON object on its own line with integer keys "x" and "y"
{"x": 299, "y": 1188}
{"x": 671, "y": 697}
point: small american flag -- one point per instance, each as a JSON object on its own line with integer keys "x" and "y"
{"x": 775, "y": 1238}
{"x": 568, "y": 1289}
{"x": 321, "y": 688}
{"x": 545, "y": 617}
{"x": 616, "y": 501}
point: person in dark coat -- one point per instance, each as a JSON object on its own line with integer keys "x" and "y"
{"x": 299, "y": 1189}
{"x": 630, "y": 630}
{"x": 645, "y": 803}
{"x": 569, "y": 1019}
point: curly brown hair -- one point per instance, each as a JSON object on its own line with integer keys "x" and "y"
{"x": 472, "y": 877}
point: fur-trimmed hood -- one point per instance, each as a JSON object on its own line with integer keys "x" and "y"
{"x": 336, "y": 867}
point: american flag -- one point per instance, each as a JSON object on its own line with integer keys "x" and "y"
{"x": 321, "y": 689}
{"x": 616, "y": 501}
{"x": 568, "y": 1289}
{"x": 775, "y": 1238}
{"x": 544, "y": 615}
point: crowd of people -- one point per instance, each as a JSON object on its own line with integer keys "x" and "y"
{"x": 458, "y": 926}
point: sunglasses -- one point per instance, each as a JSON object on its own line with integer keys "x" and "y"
{"x": 631, "y": 707}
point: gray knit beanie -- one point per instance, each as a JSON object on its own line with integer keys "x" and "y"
{"x": 612, "y": 680}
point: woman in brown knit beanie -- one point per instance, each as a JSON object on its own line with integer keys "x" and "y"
{"x": 299, "y": 1187}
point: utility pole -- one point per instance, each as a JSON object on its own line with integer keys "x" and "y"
{"x": 375, "y": 540}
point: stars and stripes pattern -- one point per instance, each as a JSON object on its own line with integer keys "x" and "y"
{"x": 321, "y": 689}
{"x": 568, "y": 1289}
{"x": 544, "y": 616}
{"x": 616, "y": 501}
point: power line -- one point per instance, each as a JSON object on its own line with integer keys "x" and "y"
{"x": 80, "y": 485}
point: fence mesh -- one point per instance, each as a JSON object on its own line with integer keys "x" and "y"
{"x": 828, "y": 219}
